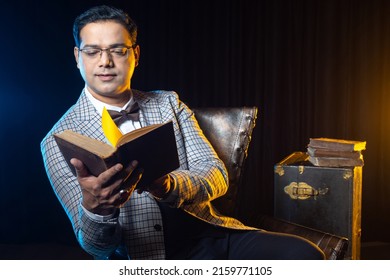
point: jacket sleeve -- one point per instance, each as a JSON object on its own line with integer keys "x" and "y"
{"x": 202, "y": 176}
{"x": 99, "y": 238}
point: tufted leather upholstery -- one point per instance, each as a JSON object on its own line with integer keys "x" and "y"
{"x": 229, "y": 130}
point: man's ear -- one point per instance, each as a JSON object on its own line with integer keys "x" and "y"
{"x": 76, "y": 56}
{"x": 136, "y": 55}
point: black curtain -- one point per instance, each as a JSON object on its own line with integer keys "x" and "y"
{"x": 314, "y": 68}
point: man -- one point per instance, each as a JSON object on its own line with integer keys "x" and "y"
{"x": 173, "y": 217}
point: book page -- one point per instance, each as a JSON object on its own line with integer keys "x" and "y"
{"x": 96, "y": 147}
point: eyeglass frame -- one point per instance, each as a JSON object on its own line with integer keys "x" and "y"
{"x": 108, "y": 50}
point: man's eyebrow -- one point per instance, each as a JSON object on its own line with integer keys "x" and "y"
{"x": 109, "y": 46}
{"x": 118, "y": 45}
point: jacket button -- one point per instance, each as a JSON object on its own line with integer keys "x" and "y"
{"x": 157, "y": 227}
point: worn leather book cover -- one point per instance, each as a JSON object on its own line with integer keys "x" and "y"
{"x": 154, "y": 147}
{"x": 336, "y": 161}
{"x": 318, "y": 152}
{"x": 337, "y": 144}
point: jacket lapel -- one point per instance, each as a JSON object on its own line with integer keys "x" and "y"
{"x": 149, "y": 108}
{"x": 87, "y": 119}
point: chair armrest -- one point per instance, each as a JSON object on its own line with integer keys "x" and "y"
{"x": 333, "y": 246}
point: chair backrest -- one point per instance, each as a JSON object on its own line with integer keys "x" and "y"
{"x": 229, "y": 131}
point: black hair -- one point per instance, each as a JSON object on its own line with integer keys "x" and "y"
{"x": 104, "y": 13}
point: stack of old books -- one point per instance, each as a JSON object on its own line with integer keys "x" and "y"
{"x": 330, "y": 152}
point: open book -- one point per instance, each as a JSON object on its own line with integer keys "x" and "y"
{"x": 154, "y": 147}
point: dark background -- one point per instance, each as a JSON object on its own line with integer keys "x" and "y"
{"x": 314, "y": 68}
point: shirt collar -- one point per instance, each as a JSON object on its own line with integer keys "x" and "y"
{"x": 99, "y": 104}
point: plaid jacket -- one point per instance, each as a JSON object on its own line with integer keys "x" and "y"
{"x": 201, "y": 178}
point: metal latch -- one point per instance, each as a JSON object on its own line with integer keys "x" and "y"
{"x": 302, "y": 190}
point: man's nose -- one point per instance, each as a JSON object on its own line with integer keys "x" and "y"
{"x": 106, "y": 58}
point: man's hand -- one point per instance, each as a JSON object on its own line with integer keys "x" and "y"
{"x": 160, "y": 188}
{"x": 102, "y": 194}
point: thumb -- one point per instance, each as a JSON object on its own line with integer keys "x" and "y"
{"x": 81, "y": 169}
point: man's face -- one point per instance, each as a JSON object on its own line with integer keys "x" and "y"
{"x": 107, "y": 76}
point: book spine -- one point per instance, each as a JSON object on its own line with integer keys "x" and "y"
{"x": 335, "y": 162}
{"x": 316, "y": 152}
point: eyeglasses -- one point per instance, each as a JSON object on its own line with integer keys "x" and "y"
{"x": 116, "y": 53}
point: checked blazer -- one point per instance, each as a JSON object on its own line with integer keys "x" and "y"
{"x": 137, "y": 227}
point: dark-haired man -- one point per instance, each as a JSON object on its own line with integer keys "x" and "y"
{"x": 173, "y": 217}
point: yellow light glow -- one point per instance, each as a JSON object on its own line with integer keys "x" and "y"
{"x": 110, "y": 129}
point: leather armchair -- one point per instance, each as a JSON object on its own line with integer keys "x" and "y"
{"x": 229, "y": 130}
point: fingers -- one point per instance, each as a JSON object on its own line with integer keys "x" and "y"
{"x": 111, "y": 174}
{"x": 121, "y": 198}
{"x": 131, "y": 181}
{"x": 102, "y": 193}
{"x": 81, "y": 169}
{"x": 128, "y": 171}
{"x": 160, "y": 188}
{"x": 133, "y": 175}
{"x": 122, "y": 184}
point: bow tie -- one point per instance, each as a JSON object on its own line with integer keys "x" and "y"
{"x": 130, "y": 113}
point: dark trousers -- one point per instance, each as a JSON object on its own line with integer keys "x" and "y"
{"x": 187, "y": 237}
